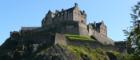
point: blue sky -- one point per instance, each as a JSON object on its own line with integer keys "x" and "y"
{"x": 15, "y": 14}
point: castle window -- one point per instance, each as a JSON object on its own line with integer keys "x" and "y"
{"x": 82, "y": 21}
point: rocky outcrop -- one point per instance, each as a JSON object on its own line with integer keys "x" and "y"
{"x": 56, "y": 52}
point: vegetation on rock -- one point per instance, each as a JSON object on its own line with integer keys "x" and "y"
{"x": 78, "y": 37}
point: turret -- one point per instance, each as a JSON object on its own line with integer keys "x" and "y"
{"x": 48, "y": 18}
{"x": 79, "y": 15}
{"x": 101, "y": 28}
{"x": 75, "y": 5}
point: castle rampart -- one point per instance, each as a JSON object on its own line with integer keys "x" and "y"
{"x": 101, "y": 38}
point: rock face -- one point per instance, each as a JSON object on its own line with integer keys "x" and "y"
{"x": 80, "y": 48}
{"x": 56, "y": 52}
{"x": 42, "y": 53}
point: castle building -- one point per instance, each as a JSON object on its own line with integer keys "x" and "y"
{"x": 69, "y": 21}
{"x": 55, "y": 28}
{"x": 71, "y": 14}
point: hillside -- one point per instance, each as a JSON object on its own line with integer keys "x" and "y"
{"x": 60, "y": 52}
{"x": 13, "y": 51}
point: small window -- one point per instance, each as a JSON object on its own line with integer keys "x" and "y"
{"x": 82, "y": 21}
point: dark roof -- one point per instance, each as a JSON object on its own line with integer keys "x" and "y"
{"x": 98, "y": 24}
{"x": 63, "y": 11}
{"x": 70, "y": 9}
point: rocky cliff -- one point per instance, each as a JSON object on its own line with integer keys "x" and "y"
{"x": 55, "y": 52}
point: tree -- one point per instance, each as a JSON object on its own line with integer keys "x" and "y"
{"x": 133, "y": 39}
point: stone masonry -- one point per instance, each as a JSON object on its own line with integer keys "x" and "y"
{"x": 67, "y": 21}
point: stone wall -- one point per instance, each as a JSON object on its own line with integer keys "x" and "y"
{"x": 91, "y": 44}
{"x": 71, "y": 28}
{"x": 79, "y": 15}
{"x": 35, "y": 37}
{"x": 103, "y": 29}
{"x": 83, "y": 29}
{"x": 99, "y": 37}
{"x": 60, "y": 39}
{"x": 67, "y": 27}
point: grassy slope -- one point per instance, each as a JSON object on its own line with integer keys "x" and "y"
{"x": 78, "y": 37}
{"x": 93, "y": 54}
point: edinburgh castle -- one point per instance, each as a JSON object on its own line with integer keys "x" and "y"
{"x": 63, "y": 35}
{"x": 69, "y": 21}
{"x": 65, "y": 27}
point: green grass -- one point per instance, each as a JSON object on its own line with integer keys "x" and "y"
{"x": 77, "y": 51}
{"x": 94, "y": 54}
{"x": 78, "y": 37}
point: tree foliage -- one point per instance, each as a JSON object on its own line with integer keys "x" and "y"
{"x": 133, "y": 39}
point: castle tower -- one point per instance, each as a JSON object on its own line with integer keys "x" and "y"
{"x": 101, "y": 28}
{"x": 78, "y": 15}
